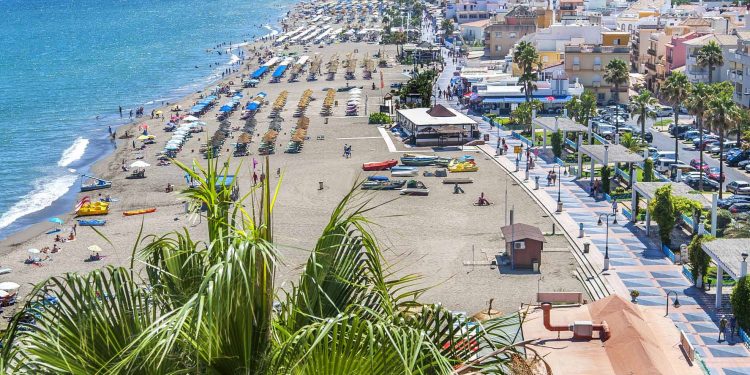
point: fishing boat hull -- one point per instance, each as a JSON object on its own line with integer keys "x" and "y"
{"x": 405, "y": 173}
{"x": 418, "y": 162}
{"x": 415, "y": 192}
{"x": 383, "y": 185}
{"x": 139, "y": 212}
{"x": 92, "y": 187}
{"x": 378, "y": 178}
{"x": 92, "y": 223}
{"x": 403, "y": 168}
{"x": 380, "y": 165}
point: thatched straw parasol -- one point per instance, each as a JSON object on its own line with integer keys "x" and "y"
{"x": 270, "y": 136}
{"x": 486, "y": 314}
{"x": 244, "y": 138}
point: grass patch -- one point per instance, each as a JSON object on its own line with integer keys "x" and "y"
{"x": 663, "y": 123}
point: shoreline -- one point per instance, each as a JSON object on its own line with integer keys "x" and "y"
{"x": 100, "y": 149}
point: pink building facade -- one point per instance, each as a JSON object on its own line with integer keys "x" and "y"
{"x": 676, "y": 50}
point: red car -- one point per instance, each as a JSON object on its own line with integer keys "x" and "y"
{"x": 695, "y": 163}
{"x": 713, "y": 173}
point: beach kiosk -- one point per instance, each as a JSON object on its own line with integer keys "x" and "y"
{"x": 523, "y": 244}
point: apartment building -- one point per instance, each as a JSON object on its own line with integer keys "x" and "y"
{"x": 585, "y": 64}
{"x": 697, "y": 73}
{"x": 550, "y": 42}
{"x": 569, "y": 8}
{"x": 739, "y": 69}
{"x": 504, "y": 30}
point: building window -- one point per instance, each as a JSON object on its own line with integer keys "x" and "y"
{"x": 512, "y": 35}
{"x": 545, "y": 59}
{"x": 600, "y": 97}
{"x": 498, "y": 48}
{"x": 576, "y": 60}
{"x": 597, "y": 60}
{"x": 616, "y": 42}
{"x": 498, "y": 34}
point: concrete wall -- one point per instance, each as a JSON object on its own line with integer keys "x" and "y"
{"x": 522, "y": 258}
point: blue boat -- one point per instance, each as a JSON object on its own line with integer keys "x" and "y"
{"x": 90, "y": 183}
{"x": 378, "y": 178}
{"x": 92, "y": 223}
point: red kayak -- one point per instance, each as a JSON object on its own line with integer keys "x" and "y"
{"x": 379, "y": 165}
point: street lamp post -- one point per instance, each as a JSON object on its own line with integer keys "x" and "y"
{"x": 559, "y": 184}
{"x": 676, "y": 303}
{"x": 606, "y": 243}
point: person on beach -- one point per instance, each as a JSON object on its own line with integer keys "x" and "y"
{"x": 723, "y": 327}
{"x": 614, "y": 207}
{"x": 120, "y": 111}
{"x": 255, "y": 178}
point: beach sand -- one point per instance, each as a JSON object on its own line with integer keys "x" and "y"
{"x": 432, "y": 235}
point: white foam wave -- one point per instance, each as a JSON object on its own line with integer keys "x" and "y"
{"x": 234, "y": 59}
{"x": 74, "y": 152}
{"x": 46, "y": 190}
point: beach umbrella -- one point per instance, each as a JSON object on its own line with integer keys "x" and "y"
{"x": 95, "y": 249}
{"x": 171, "y": 147}
{"x": 56, "y": 220}
{"x": 145, "y": 137}
{"x": 3, "y": 294}
{"x": 33, "y": 251}
{"x": 488, "y": 314}
{"x": 190, "y": 119}
{"x": 139, "y": 164}
{"x": 9, "y": 285}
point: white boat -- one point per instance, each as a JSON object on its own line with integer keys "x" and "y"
{"x": 414, "y": 187}
{"x": 405, "y": 173}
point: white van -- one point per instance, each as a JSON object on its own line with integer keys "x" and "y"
{"x": 670, "y": 155}
{"x": 664, "y": 111}
{"x": 664, "y": 165}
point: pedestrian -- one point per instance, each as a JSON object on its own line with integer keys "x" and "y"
{"x": 75, "y": 226}
{"x": 278, "y": 172}
{"x": 133, "y": 143}
{"x": 255, "y": 178}
{"x": 549, "y": 178}
{"x": 554, "y": 177}
{"x": 131, "y": 114}
{"x": 345, "y": 148}
{"x": 732, "y": 327}
{"x": 110, "y": 129}
{"x": 723, "y": 327}
{"x": 262, "y": 177}
{"x": 349, "y": 152}
{"x": 120, "y": 111}
{"x": 614, "y": 207}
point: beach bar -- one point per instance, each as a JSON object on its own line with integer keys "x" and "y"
{"x": 436, "y": 126}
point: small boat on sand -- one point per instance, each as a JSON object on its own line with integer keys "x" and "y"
{"x": 380, "y": 165}
{"x": 418, "y": 160}
{"x": 414, "y": 187}
{"x": 457, "y": 180}
{"x": 92, "y": 223}
{"x": 140, "y": 211}
{"x": 403, "y": 168}
{"x": 377, "y": 178}
{"x": 90, "y": 183}
{"x": 383, "y": 185}
{"x": 405, "y": 173}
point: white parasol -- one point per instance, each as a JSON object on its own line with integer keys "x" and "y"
{"x": 139, "y": 164}
{"x": 9, "y": 285}
{"x": 95, "y": 249}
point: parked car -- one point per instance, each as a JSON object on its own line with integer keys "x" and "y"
{"x": 708, "y": 184}
{"x": 739, "y": 208}
{"x": 716, "y": 147}
{"x": 679, "y": 130}
{"x": 739, "y": 157}
{"x": 663, "y": 165}
{"x": 696, "y": 163}
{"x": 713, "y": 173}
{"x": 688, "y": 135}
{"x": 738, "y": 187}
{"x": 664, "y": 111}
{"x": 728, "y": 202}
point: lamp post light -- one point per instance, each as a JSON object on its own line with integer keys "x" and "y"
{"x": 676, "y": 303}
{"x": 606, "y": 243}
{"x": 559, "y": 183}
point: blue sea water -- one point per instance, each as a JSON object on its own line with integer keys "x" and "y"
{"x": 65, "y": 62}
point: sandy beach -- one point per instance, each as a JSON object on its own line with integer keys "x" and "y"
{"x": 433, "y": 235}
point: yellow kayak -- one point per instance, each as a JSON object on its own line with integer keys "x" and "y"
{"x": 91, "y": 209}
{"x": 463, "y": 167}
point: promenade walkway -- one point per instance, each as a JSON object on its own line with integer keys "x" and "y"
{"x": 636, "y": 261}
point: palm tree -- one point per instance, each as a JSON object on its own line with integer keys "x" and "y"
{"x": 643, "y": 107}
{"x": 710, "y": 56}
{"x": 209, "y": 307}
{"x": 696, "y": 105}
{"x": 587, "y": 109}
{"x": 527, "y": 58}
{"x": 676, "y": 90}
{"x": 617, "y": 74}
{"x": 447, "y": 27}
{"x": 523, "y": 113}
{"x": 721, "y": 113}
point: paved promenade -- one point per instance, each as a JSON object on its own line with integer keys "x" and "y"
{"x": 636, "y": 262}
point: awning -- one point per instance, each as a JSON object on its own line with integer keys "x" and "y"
{"x": 259, "y": 72}
{"x": 519, "y": 100}
{"x": 279, "y": 71}
{"x": 252, "y": 106}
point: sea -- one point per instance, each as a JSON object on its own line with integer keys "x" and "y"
{"x": 66, "y": 66}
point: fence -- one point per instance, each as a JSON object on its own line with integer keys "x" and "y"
{"x": 745, "y": 338}
{"x": 687, "y": 273}
{"x": 571, "y": 144}
{"x": 600, "y": 139}
{"x": 626, "y": 212}
{"x": 523, "y": 139}
{"x": 668, "y": 252}
{"x": 624, "y": 175}
{"x": 688, "y": 221}
{"x": 559, "y": 161}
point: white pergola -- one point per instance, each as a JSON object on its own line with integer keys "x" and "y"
{"x": 555, "y": 124}
{"x": 647, "y": 190}
{"x": 605, "y": 154}
{"x": 730, "y": 256}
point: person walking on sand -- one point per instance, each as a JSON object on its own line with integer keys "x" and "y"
{"x": 723, "y": 327}
{"x": 131, "y": 114}
{"x": 614, "y": 207}
{"x": 345, "y": 148}
{"x": 255, "y": 178}
{"x": 120, "y": 111}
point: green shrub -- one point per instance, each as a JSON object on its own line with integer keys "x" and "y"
{"x": 699, "y": 260}
{"x": 380, "y": 118}
{"x": 648, "y": 170}
{"x": 606, "y": 175}
{"x": 557, "y": 143}
{"x": 741, "y": 302}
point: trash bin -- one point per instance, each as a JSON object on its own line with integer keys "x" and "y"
{"x": 586, "y": 247}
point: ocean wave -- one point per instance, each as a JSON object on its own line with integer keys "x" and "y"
{"x": 233, "y": 59}
{"x": 45, "y": 192}
{"x": 74, "y": 152}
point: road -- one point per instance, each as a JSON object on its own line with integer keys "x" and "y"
{"x": 664, "y": 142}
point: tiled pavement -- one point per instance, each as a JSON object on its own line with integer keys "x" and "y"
{"x": 636, "y": 262}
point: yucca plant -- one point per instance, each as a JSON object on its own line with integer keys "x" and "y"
{"x": 212, "y": 306}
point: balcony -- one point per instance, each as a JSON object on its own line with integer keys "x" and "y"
{"x": 576, "y": 66}
{"x": 650, "y": 66}
{"x": 697, "y": 77}
{"x": 735, "y": 75}
{"x": 651, "y": 52}
{"x": 597, "y": 67}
